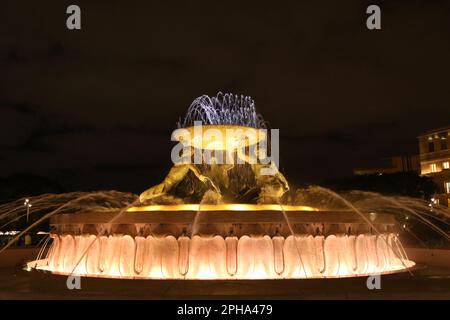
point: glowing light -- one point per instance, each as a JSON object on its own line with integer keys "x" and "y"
{"x": 256, "y": 257}
{"x": 219, "y": 137}
{"x": 222, "y": 207}
{"x": 9, "y": 233}
{"x": 433, "y": 168}
{"x": 28, "y": 205}
{"x": 228, "y": 122}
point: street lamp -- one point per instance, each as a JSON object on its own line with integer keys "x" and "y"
{"x": 27, "y": 204}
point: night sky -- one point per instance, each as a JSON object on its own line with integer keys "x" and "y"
{"x": 94, "y": 109}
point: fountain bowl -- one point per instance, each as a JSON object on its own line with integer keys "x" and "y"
{"x": 238, "y": 241}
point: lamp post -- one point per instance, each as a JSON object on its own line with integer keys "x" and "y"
{"x": 27, "y": 204}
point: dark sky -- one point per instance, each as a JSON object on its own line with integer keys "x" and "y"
{"x": 94, "y": 108}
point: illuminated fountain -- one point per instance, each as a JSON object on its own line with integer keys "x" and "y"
{"x": 219, "y": 220}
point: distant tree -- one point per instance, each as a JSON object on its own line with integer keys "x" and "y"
{"x": 402, "y": 183}
{"x": 25, "y": 185}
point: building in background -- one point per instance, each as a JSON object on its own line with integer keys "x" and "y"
{"x": 392, "y": 165}
{"x": 435, "y": 161}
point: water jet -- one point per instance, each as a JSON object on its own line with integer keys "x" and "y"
{"x": 223, "y": 221}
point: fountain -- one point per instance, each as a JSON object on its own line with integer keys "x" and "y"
{"x": 217, "y": 219}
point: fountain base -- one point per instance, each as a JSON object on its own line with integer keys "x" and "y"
{"x": 153, "y": 243}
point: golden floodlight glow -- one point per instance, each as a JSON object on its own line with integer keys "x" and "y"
{"x": 222, "y": 207}
{"x": 219, "y": 137}
{"x": 225, "y": 258}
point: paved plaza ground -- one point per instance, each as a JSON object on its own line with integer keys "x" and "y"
{"x": 424, "y": 283}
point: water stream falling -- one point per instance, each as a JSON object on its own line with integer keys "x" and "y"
{"x": 291, "y": 230}
{"x": 372, "y": 226}
{"x": 324, "y": 235}
{"x": 200, "y": 256}
{"x": 64, "y": 203}
{"x": 111, "y": 221}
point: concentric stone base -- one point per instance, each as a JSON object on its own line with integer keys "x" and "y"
{"x": 217, "y": 257}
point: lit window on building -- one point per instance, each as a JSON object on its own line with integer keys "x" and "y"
{"x": 446, "y": 165}
{"x": 443, "y": 141}
{"x": 447, "y": 186}
{"x": 433, "y": 167}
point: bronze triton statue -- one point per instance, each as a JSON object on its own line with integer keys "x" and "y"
{"x": 234, "y": 124}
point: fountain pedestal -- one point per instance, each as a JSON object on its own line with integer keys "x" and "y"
{"x": 253, "y": 243}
